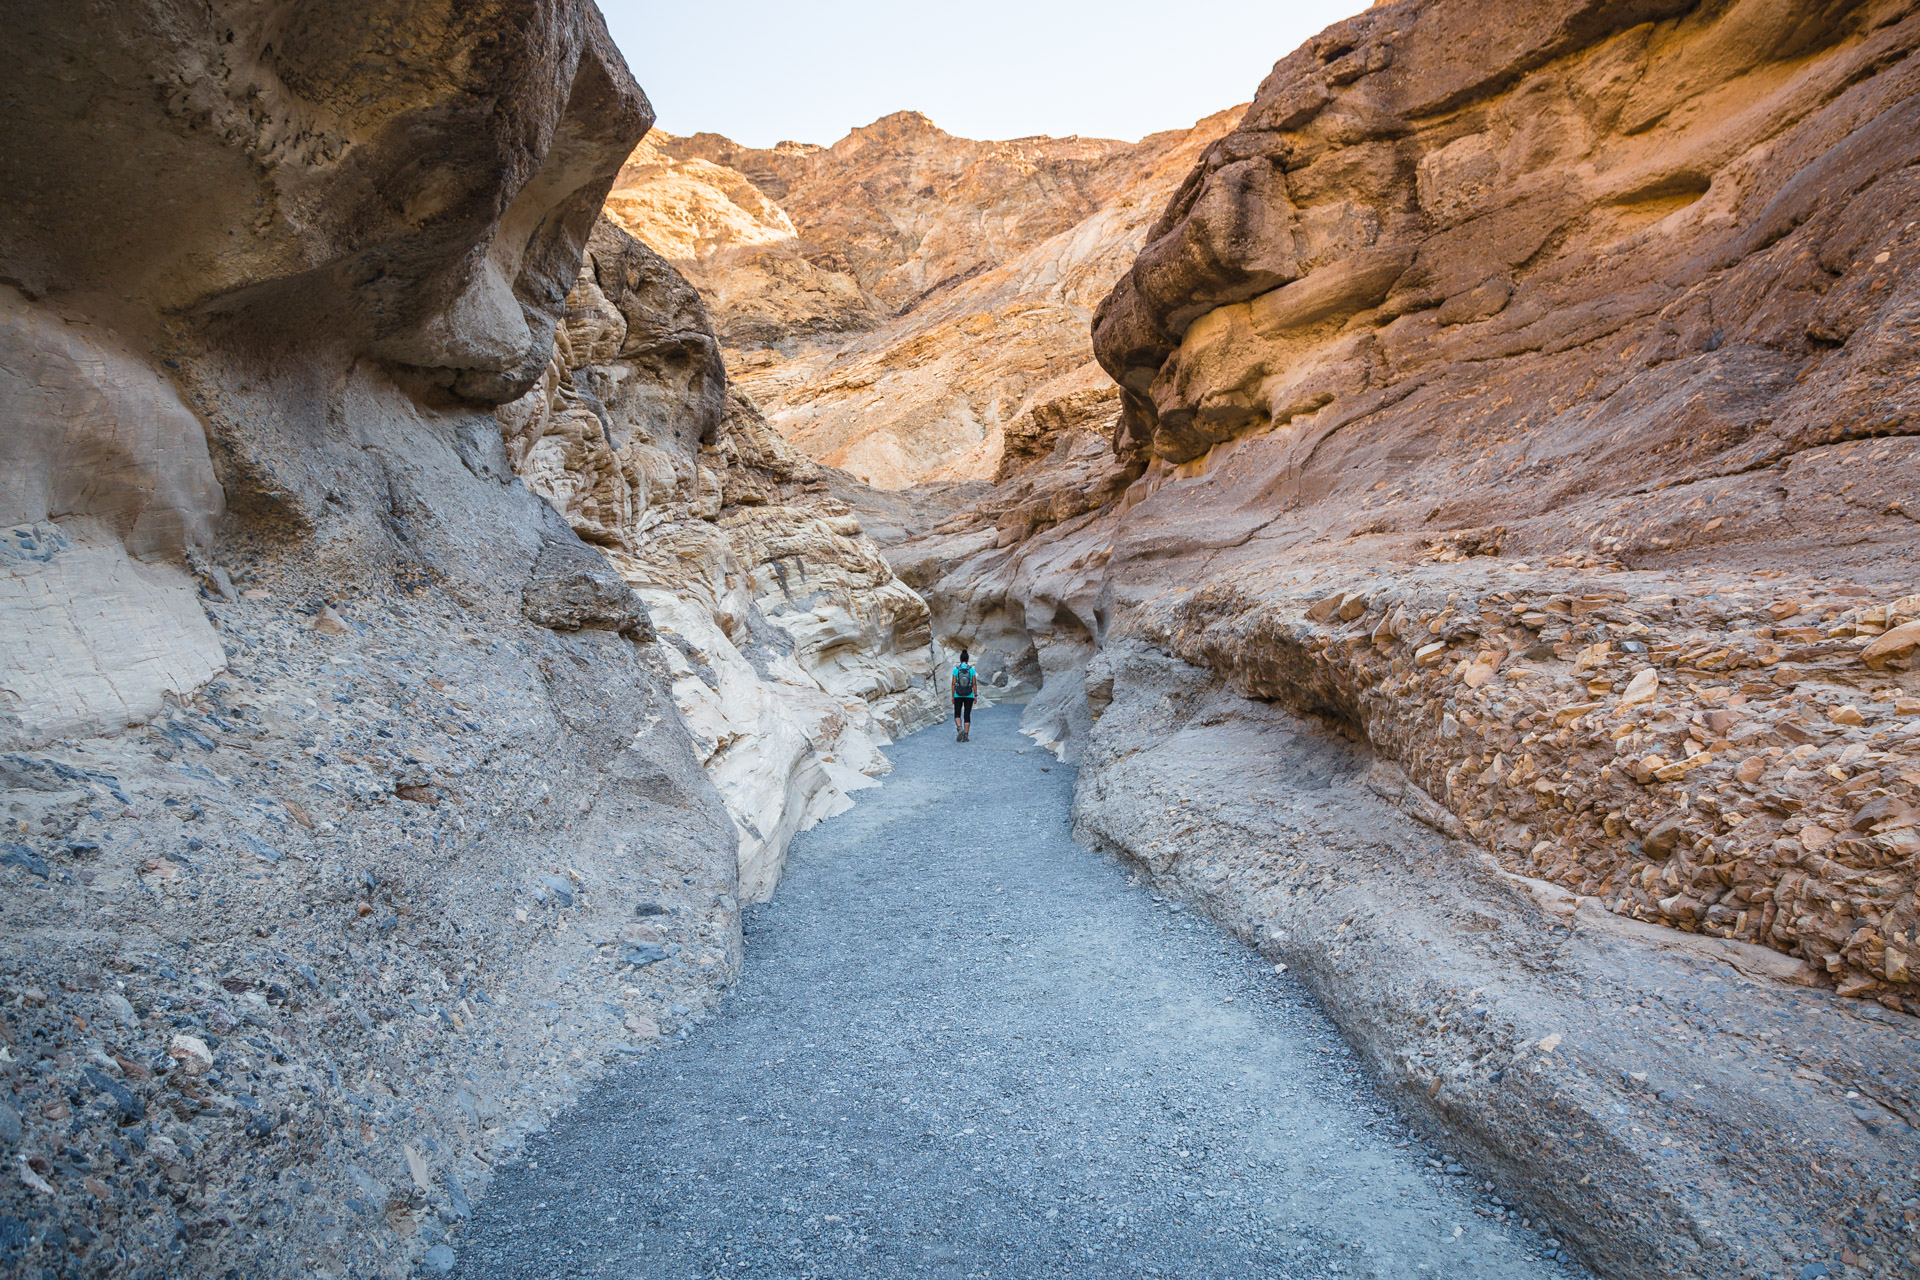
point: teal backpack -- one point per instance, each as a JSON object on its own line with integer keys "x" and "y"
{"x": 963, "y": 682}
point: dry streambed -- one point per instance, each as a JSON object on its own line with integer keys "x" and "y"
{"x": 967, "y": 1046}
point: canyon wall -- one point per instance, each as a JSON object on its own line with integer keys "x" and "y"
{"x": 794, "y": 651}
{"x": 353, "y": 819}
{"x": 1506, "y": 615}
{"x": 906, "y": 305}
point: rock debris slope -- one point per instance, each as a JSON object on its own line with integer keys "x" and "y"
{"x": 352, "y": 815}
{"x": 1539, "y": 421}
{"x": 907, "y": 305}
{"x": 970, "y": 1046}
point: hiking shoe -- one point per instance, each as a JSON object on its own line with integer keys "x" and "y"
{"x": 964, "y": 734}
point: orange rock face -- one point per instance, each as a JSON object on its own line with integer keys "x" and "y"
{"x": 922, "y": 312}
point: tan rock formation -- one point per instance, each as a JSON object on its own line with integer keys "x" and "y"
{"x": 1674, "y": 289}
{"x": 692, "y": 208}
{"x": 794, "y": 651}
{"x": 1526, "y": 397}
{"x": 935, "y": 291}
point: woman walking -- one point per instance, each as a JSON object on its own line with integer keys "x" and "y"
{"x": 963, "y": 682}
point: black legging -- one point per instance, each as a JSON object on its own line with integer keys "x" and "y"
{"x": 963, "y": 710}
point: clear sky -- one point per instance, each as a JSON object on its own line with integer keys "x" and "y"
{"x": 810, "y": 70}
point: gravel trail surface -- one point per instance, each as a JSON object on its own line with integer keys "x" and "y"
{"x": 965, "y": 1046}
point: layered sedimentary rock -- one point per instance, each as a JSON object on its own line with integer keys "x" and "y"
{"x": 692, "y": 208}
{"x": 1522, "y": 406}
{"x": 795, "y": 653}
{"x": 350, "y": 821}
{"x": 1631, "y": 335}
{"x": 924, "y": 316}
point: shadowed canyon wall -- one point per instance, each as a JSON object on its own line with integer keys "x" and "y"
{"x": 414, "y": 654}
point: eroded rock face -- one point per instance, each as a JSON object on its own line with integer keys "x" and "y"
{"x": 795, "y": 652}
{"x": 923, "y": 317}
{"x": 434, "y": 225}
{"x": 1601, "y": 319}
{"x": 106, "y": 484}
{"x": 349, "y": 820}
{"x": 1634, "y": 1086}
{"x": 1526, "y": 399}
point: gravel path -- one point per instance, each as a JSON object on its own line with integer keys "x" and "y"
{"x": 966, "y": 1047}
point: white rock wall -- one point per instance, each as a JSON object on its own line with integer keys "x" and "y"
{"x": 795, "y": 652}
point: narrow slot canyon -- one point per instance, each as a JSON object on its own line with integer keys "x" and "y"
{"x": 481, "y": 577}
{"x": 968, "y": 1045}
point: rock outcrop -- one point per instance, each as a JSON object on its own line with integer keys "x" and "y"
{"x": 1522, "y": 407}
{"x": 914, "y": 305}
{"x": 350, "y": 819}
{"x": 795, "y": 653}
{"x": 1634, "y": 488}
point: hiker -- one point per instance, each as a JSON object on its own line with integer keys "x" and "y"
{"x": 964, "y": 678}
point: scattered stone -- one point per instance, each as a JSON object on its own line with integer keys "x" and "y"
{"x": 131, "y": 1108}
{"x": 1644, "y": 687}
{"x": 18, "y": 855}
{"x": 33, "y": 1173}
{"x": 642, "y": 954}
{"x": 560, "y": 887}
{"x": 191, "y": 1052}
{"x": 121, "y": 1008}
{"x": 1897, "y": 643}
{"x": 457, "y": 1201}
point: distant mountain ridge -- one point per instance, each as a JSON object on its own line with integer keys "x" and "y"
{"x": 900, "y": 301}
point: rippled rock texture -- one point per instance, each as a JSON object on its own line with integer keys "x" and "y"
{"x": 349, "y": 818}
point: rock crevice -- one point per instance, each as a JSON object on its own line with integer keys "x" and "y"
{"x": 794, "y": 651}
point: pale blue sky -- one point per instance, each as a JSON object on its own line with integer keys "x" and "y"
{"x": 812, "y": 69}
